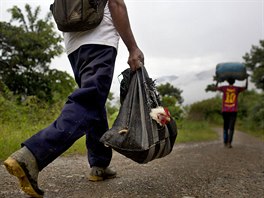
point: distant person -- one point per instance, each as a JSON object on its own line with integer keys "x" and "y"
{"x": 229, "y": 108}
{"x": 92, "y": 55}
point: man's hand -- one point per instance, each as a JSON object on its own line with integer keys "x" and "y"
{"x": 135, "y": 59}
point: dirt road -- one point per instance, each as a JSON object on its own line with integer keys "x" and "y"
{"x": 191, "y": 170}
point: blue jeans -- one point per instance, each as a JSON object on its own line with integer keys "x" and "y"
{"x": 83, "y": 113}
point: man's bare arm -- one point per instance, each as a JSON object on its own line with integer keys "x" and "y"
{"x": 121, "y": 21}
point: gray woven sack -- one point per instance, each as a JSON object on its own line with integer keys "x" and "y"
{"x": 134, "y": 134}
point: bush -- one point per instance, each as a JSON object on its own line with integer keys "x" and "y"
{"x": 252, "y": 112}
{"x": 209, "y": 110}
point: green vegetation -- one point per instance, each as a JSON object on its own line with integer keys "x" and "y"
{"x": 25, "y": 57}
{"x": 20, "y": 120}
{"x": 195, "y": 131}
{"x": 255, "y": 64}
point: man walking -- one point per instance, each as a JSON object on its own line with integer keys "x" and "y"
{"x": 92, "y": 55}
{"x": 229, "y": 108}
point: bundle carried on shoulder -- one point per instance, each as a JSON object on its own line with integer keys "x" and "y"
{"x": 143, "y": 130}
{"x": 230, "y": 70}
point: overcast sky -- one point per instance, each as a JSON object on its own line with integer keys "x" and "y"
{"x": 181, "y": 36}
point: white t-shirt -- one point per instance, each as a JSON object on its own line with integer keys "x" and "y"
{"x": 104, "y": 34}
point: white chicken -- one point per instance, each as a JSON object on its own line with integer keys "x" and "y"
{"x": 161, "y": 115}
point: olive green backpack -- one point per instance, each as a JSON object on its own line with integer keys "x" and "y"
{"x": 77, "y": 15}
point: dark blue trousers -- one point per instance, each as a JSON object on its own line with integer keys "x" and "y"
{"x": 84, "y": 112}
{"x": 229, "y": 126}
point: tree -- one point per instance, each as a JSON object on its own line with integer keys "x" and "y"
{"x": 254, "y": 61}
{"x": 171, "y": 98}
{"x": 61, "y": 84}
{"x": 169, "y": 90}
{"x": 27, "y": 49}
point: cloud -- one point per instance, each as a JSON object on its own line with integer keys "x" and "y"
{"x": 196, "y": 28}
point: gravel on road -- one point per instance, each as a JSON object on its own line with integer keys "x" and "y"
{"x": 192, "y": 170}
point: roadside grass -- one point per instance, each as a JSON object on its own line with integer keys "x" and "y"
{"x": 12, "y": 134}
{"x": 259, "y": 134}
{"x": 195, "y": 131}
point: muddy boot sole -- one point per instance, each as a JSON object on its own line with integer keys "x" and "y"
{"x": 100, "y": 174}
{"x": 95, "y": 178}
{"x": 14, "y": 168}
